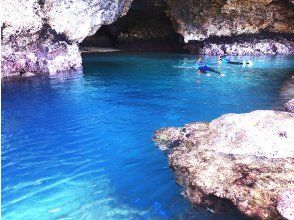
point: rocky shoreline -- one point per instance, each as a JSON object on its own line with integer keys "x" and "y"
{"x": 42, "y": 37}
{"x": 252, "y": 44}
{"x": 97, "y": 50}
{"x": 243, "y": 159}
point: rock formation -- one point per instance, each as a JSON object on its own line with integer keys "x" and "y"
{"x": 146, "y": 27}
{"x": 197, "y": 20}
{"x": 249, "y": 44}
{"x": 246, "y": 159}
{"x": 289, "y": 106}
{"x": 42, "y": 36}
{"x": 208, "y": 27}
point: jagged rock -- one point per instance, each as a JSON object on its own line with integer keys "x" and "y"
{"x": 42, "y": 36}
{"x": 289, "y": 106}
{"x": 273, "y": 46}
{"x": 198, "y": 20}
{"x": 247, "y": 159}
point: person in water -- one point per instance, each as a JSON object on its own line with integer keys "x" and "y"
{"x": 203, "y": 68}
{"x": 223, "y": 58}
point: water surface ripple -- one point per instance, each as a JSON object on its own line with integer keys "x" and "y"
{"x": 79, "y": 146}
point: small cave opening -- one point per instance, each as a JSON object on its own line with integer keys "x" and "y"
{"x": 146, "y": 27}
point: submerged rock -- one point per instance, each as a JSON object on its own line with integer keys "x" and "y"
{"x": 247, "y": 159}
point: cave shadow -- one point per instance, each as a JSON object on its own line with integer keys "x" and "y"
{"x": 145, "y": 27}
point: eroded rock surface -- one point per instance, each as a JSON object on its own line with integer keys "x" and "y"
{"x": 208, "y": 27}
{"x": 247, "y": 159}
{"x": 197, "y": 20}
{"x": 42, "y": 36}
{"x": 255, "y": 44}
{"x": 289, "y": 106}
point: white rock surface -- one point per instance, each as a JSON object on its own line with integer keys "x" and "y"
{"x": 42, "y": 36}
{"x": 79, "y": 18}
{"x": 286, "y": 205}
{"x": 247, "y": 159}
{"x": 260, "y": 133}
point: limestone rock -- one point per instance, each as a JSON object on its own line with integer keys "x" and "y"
{"x": 286, "y": 205}
{"x": 289, "y": 106}
{"x": 247, "y": 159}
{"x": 198, "y": 20}
{"x": 42, "y": 36}
{"x": 79, "y": 18}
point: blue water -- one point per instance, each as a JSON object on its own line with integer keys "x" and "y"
{"x": 79, "y": 146}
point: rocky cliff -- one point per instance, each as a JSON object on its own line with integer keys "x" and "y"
{"x": 197, "y": 20}
{"x": 42, "y": 36}
{"x": 242, "y": 159}
{"x": 252, "y": 26}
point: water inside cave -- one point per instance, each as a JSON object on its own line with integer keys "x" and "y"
{"x": 79, "y": 146}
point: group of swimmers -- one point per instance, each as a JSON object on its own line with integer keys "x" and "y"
{"x": 203, "y": 68}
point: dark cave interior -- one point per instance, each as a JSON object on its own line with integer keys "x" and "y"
{"x": 145, "y": 27}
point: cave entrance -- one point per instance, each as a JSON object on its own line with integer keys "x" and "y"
{"x": 145, "y": 27}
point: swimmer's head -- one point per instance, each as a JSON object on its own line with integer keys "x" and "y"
{"x": 250, "y": 63}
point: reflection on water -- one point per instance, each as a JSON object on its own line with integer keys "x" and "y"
{"x": 287, "y": 90}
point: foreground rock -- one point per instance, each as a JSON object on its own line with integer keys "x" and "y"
{"x": 243, "y": 159}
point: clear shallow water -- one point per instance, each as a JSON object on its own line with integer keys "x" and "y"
{"x": 79, "y": 146}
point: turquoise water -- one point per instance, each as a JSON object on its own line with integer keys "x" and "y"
{"x": 79, "y": 146}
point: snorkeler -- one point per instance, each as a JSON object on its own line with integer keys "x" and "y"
{"x": 203, "y": 68}
{"x": 223, "y": 58}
